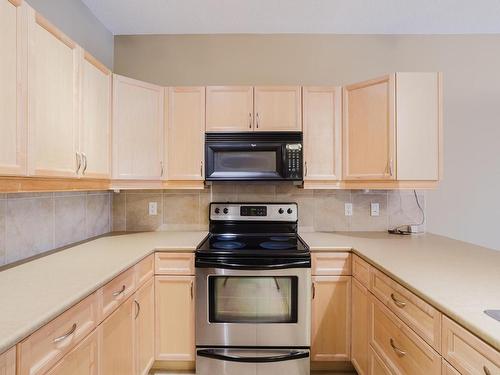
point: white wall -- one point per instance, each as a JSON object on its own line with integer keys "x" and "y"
{"x": 75, "y": 19}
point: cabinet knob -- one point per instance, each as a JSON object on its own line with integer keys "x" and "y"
{"x": 257, "y": 120}
{"x": 250, "y": 120}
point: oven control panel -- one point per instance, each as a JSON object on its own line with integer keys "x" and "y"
{"x": 254, "y": 212}
{"x": 293, "y": 161}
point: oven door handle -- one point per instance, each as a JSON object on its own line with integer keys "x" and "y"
{"x": 242, "y": 266}
{"x": 218, "y": 354}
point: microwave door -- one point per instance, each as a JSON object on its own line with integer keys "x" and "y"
{"x": 244, "y": 161}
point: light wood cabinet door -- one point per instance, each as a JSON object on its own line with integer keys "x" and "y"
{"x": 138, "y": 129}
{"x": 144, "y": 301}
{"x": 8, "y": 362}
{"x": 116, "y": 345}
{"x": 331, "y": 318}
{"x": 369, "y": 130}
{"x": 53, "y": 73}
{"x": 174, "y": 332}
{"x": 322, "y": 133}
{"x": 95, "y": 118}
{"x": 360, "y": 327}
{"x": 278, "y": 108}
{"x": 82, "y": 360}
{"x": 13, "y": 71}
{"x": 185, "y": 133}
{"x": 229, "y": 108}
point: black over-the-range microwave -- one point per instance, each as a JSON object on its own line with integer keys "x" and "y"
{"x": 253, "y": 156}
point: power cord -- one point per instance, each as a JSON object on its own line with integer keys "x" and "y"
{"x": 405, "y": 229}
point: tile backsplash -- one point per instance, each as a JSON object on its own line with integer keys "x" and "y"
{"x": 319, "y": 210}
{"x": 34, "y": 223}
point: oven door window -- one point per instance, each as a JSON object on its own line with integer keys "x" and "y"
{"x": 253, "y": 299}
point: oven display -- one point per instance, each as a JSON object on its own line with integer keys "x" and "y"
{"x": 253, "y": 211}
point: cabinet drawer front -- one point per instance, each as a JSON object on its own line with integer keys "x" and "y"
{"x": 8, "y": 362}
{"x": 398, "y": 346}
{"x": 467, "y": 353}
{"x": 114, "y": 293}
{"x": 448, "y": 369}
{"x": 418, "y": 314}
{"x": 377, "y": 366}
{"x": 331, "y": 264}
{"x": 174, "y": 264}
{"x": 144, "y": 270}
{"x": 361, "y": 270}
{"x": 49, "y": 344}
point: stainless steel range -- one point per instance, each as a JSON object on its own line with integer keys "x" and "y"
{"x": 253, "y": 283}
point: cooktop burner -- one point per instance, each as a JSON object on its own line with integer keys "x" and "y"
{"x": 228, "y": 245}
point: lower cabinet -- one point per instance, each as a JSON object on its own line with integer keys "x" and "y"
{"x": 144, "y": 327}
{"x": 360, "y": 327}
{"x": 377, "y": 366}
{"x": 82, "y": 360}
{"x": 116, "y": 345}
{"x": 174, "y": 333}
{"x": 8, "y": 362}
{"x": 331, "y": 315}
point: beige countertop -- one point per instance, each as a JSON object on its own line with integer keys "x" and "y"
{"x": 458, "y": 278}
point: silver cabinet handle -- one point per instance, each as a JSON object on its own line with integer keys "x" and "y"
{"x": 257, "y": 120}
{"x": 486, "y": 370}
{"x": 397, "y": 302}
{"x": 191, "y": 288}
{"x": 66, "y": 335}
{"x": 118, "y": 292}
{"x": 398, "y": 351}
{"x": 305, "y": 166}
{"x": 250, "y": 120}
{"x": 390, "y": 167}
{"x": 84, "y": 163}
{"x": 313, "y": 286}
{"x": 78, "y": 162}
{"x": 161, "y": 169}
{"x": 201, "y": 168}
{"x": 138, "y": 306}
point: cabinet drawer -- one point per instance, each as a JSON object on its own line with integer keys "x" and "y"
{"x": 174, "y": 264}
{"x": 144, "y": 270}
{"x": 8, "y": 362}
{"x": 418, "y": 314}
{"x": 398, "y": 346}
{"x": 40, "y": 351}
{"x": 361, "y": 270}
{"x": 467, "y": 353}
{"x": 331, "y": 264}
{"x": 377, "y": 366}
{"x": 115, "y": 292}
{"x": 448, "y": 369}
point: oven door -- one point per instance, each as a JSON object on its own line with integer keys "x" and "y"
{"x": 233, "y": 361}
{"x": 247, "y": 307}
{"x": 244, "y": 161}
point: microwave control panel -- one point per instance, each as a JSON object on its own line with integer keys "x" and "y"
{"x": 293, "y": 161}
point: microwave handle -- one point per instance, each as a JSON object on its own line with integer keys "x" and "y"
{"x": 218, "y": 354}
{"x": 201, "y": 263}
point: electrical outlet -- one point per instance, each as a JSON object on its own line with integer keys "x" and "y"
{"x": 348, "y": 209}
{"x": 375, "y": 209}
{"x": 153, "y": 208}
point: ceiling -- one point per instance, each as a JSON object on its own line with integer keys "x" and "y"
{"x": 298, "y": 16}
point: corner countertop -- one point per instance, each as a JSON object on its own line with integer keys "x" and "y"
{"x": 458, "y": 278}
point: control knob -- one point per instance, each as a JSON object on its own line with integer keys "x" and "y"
{"x": 289, "y": 211}
{"x": 217, "y": 210}
{"x": 281, "y": 211}
{"x": 225, "y": 210}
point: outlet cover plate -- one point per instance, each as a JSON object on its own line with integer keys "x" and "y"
{"x": 348, "y": 209}
{"x": 153, "y": 208}
{"x": 375, "y": 209}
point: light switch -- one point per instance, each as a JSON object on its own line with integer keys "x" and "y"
{"x": 153, "y": 208}
{"x": 375, "y": 209}
{"x": 348, "y": 209}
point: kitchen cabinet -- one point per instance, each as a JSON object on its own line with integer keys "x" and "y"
{"x": 360, "y": 327}
{"x": 377, "y": 366}
{"x": 95, "y": 118}
{"x": 369, "y": 130}
{"x": 138, "y": 130}
{"x": 392, "y": 129}
{"x": 330, "y": 264}
{"x": 82, "y": 360}
{"x": 116, "y": 346}
{"x": 175, "y": 324}
{"x": 331, "y": 318}
{"x": 144, "y": 327}
{"x": 278, "y": 108}
{"x": 185, "y": 133}
{"x": 322, "y": 133}
{"x": 53, "y": 96}
{"x": 8, "y": 362}
{"x": 13, "y": 71}
{"x": 229, "y": 108}
{"x": 447, "y": 369}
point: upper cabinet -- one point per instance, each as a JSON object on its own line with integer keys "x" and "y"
{"x": 369, "y": 130}
{"x": 322, "y": 133}
{"x": 138, "y": 130}
{"x": 95, "y": 118}
{"x": 229, "y": 108}
{"x": 13, "y": 70}
{"x": 53, "y": 75}
{"x": 392, "y": 129}
{"x": 185, "y": 111}
{"x": 278, "y": 108}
